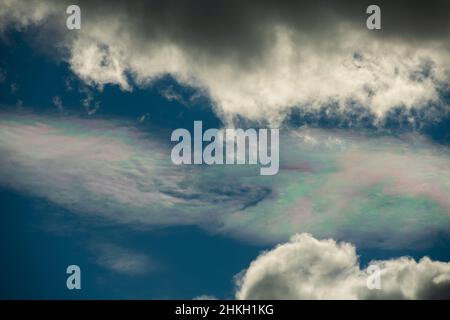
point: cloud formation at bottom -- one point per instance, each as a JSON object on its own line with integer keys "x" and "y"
{"x": 308, "y": 268}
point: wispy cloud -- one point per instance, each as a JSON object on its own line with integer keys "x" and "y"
{"x": 204, "y": 297}
{"x": 376, "y": 191}
{"x": 57, "y": 102}
{"x": 123, "y": 261}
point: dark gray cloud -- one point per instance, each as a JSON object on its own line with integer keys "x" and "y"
{"x": 258, "y": 59}
{"x": 241, "y": 28}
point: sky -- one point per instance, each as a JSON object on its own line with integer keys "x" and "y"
{"x": 86, "y": 176}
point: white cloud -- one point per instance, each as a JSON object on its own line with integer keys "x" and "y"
{"x": 307, "y": 268}
{"x": 345, "y": 65}
{"x": 351, "y": 68}
{"x": 99, "y": 64}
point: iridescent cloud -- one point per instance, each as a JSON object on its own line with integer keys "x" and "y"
{"x": 371, "y": 190}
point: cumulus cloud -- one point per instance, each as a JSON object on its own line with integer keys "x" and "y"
{"x": 259, "y": 59}
{"x": 375, "y": 191}
{"x": 308, "y": 268}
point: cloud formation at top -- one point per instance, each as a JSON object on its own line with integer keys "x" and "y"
{"x": 259, "y": 58}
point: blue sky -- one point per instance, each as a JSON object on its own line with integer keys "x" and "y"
{"x": 86, "y": 176}
{"x": 39, "y": 239}
{"x": 188, "y": 262}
